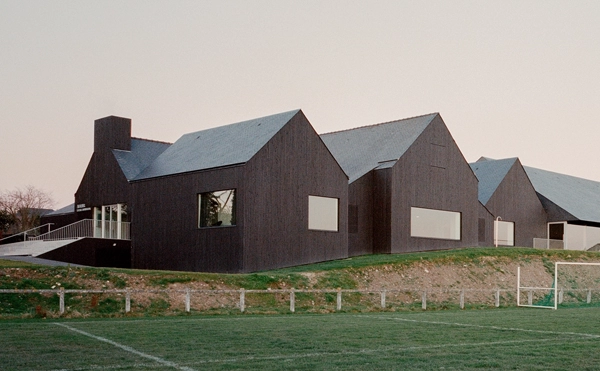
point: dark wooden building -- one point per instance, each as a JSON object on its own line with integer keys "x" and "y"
{"x": 511, "y": 213}
{"x": 573, "y": 207}
{"x": 270, "y": 193}
{"x": 255, "y": 195}
{"x": 410, "y": 188}
{"x": 103, "y": 199}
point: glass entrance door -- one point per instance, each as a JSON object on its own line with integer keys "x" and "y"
{"x": 108, "y": 221}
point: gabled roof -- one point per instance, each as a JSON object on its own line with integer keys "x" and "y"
{"x": 142, "y": 153}
{"x": 490, "y": 174}
{"x": 222, "y": 146}
{"x": 577, "y": 196}
{"x": 363, "y": 149}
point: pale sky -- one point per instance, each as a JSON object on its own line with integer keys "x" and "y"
{"x": 510, "y": 78}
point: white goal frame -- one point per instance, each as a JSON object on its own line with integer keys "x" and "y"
{"x": 555, "y": 288}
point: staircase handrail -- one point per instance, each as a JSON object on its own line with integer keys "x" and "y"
{"x": 81, "y": 228}
{"x": 24, "y": 233}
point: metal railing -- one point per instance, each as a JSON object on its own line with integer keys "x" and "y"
{"x": 548, "y": 244}
{"x": 87, "y": 228}
{"x": 31, "y": 233}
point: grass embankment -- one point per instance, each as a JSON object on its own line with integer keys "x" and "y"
{"x": 474, "y": 267}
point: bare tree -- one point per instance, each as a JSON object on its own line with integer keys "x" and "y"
{"x": 25, "y": 206}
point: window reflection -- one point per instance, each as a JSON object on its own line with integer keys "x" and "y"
{"x": 217, "y": 208}
{"x": 429, "y": 223}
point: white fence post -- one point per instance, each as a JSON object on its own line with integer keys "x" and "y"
{"x": 560, "y": 296}
{"x": 530, "y": 297}
{"x": 589, "y": 296}
{"x": 61, "y": 300}
{"x": 127, "y": 301}
{"x": 242, "y": 300}
{"x": 187, "y": 300}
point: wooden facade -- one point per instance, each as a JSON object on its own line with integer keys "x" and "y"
{"x": 272, "y": 188}
{"x": 360, "y": 222}
{"x": 432, "y": 174}
{"x": 271, "y": 229}
{"x": 508, "y": 195}
{"x": 103, "y": 182}
{"x": 515, "y": 201}
{"x": 421, "y": 167}
{"x": 165, "y": 233}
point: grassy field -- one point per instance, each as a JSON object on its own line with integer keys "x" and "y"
{"x": 517, "y": 339}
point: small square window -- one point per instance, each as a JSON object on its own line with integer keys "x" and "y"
{"x": 216, "y": 209}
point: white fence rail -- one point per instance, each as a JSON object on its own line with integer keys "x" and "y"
{"x": 383, "y": 294}
{"x": 548, "y": 244}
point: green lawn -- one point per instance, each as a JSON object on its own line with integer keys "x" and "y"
{"x": 514, "y": 338}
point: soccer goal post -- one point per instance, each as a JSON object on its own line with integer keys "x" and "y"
{"x": 574, "y": 284}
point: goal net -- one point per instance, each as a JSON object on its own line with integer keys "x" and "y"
{"x": 573, "y": 285}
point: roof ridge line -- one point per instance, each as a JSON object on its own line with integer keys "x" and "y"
{"x": 380, "y": 123}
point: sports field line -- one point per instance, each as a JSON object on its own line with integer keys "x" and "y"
{"x": 371, "y": 351}
{"x": 126, "y": 348}
{"x": 594, "y": 336}
{"x": 327, "y": 354}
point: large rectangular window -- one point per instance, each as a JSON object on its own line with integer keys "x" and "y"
{"x": 323, "y": 213}
{"x": 429, "y": 223}
{"x": 111, "y": 221}
{"x": 216, "y": 209}
{"x": 504, "y": 234}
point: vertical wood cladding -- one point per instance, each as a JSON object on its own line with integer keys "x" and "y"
{"x": 481, "y": 230}
{"x": 272, "y": 192}
{"x": 360, "y": 195}
{"x": 294, "y": 164}
{"x": 382, "y": 210}
{"x": 103, "y": 182}
{"x": 112, "y": 133}
{"x": 433, "y": 174}
{"x": 352, "y": 218}
{"x": 515, "y": 200}
{"x": 165, "y": 233}
{"x": 486, "y": 226}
